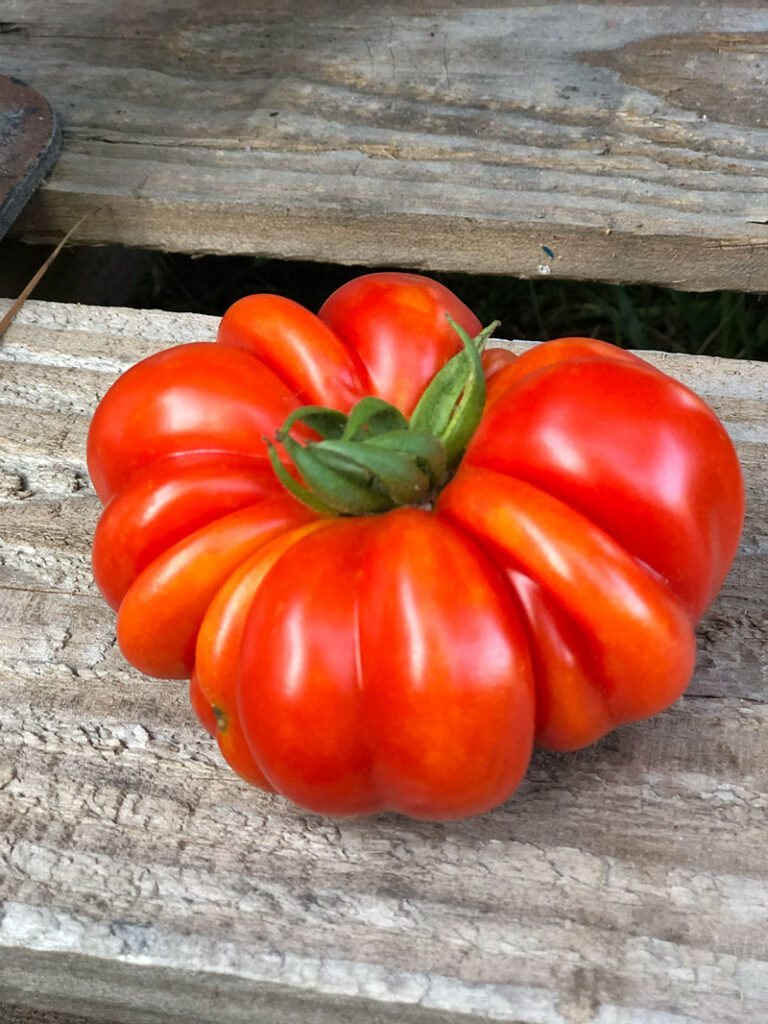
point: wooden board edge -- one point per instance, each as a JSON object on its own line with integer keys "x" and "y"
{"x": 425, "y": 242}
{"x": 61, "y": 985}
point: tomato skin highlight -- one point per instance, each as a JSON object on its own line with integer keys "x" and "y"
{"x": 410, "y": 703}
{"x": 397, "y": 325}
{"x": 166, "y": 501}
{"x": 639, "y": 639}
{"x": 297, "y": 346}
{"x": 447, "y": 685}
{"x": 161, "y": 614}
{"x": 299, "y": 695}
{"x": 192, "y": 398}
{"x": 636, "y": 452}
{"x": 408, "y": 660}
{"x": 550, "y": 354}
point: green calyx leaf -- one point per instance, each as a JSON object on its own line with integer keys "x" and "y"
{"x": 372, "y": 416}
{"x": 300, "y": 492}
{"x": 426, "y": 451}
{"x": 452, "y": 406}
{"x": 388, "y": 470}
{"x": 328, "y": 423}
{"x": 374, "y": 459}
{"x": 332, "y": 490}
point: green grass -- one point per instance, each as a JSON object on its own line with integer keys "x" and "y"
{"x": 729, "y": 324}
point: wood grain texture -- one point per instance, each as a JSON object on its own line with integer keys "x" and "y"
{"x": 142, "y": 882}
{"x": 629, "y": 138}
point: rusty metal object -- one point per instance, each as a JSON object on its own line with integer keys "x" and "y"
{"x": 30, "y": 140}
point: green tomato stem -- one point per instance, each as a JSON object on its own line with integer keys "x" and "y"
{"x": 374, "y": 459}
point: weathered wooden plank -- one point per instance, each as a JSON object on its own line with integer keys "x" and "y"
{"x": 628, "y": 138}
{"x": 164, "y": 997}
{"x": 141, "y": 881}
{"x": 630, "y": 877}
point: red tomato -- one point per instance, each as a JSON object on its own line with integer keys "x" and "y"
{"x": 162, "y": 611}
{"x": 201, "y": 707}
{"x": 408, "y": 659}
{"x": 397, "y": 325}
{"x": 163, "y": 503}
{"x": 296, "y": 345}
{"x": 364, "y": 685}
{"x": 192, "y": 398}
{"x": 635, "y": 451}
